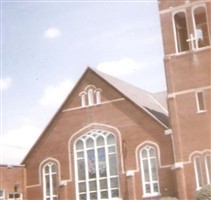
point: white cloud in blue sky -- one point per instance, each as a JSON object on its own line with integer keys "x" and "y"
{"x": 54, "y": 95}
{"x": 48, "y": 45}
{"x": 121, "y": 67}
{"x": 22, "y": 140}
{"x": 52, "y": 33}
{"x": 5, "y": 83}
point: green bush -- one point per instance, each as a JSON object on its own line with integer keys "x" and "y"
{"x": 204, "y": 193}
{"x": 168, "y": 198}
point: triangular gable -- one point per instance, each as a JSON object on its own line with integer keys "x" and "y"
{"x": 140, "y": 98}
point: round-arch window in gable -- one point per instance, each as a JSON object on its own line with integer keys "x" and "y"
{"x": 96, "y": 171}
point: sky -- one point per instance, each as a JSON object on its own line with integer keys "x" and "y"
{"x": 47, "y": 45}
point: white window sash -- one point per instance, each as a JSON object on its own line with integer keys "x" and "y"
{"x": 207, "y": 166}
{"x": 200, "y": 108}
{"x": 198, "y": 172}
{"x": 94, "y": 135}
{"x": 49, "y": 175}
{"x": 151, "y": 182}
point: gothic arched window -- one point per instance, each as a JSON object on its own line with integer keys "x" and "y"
{"x": 149, "y": 171}
{"x": 50, "y": 181}
{"x": 95, "y": 155}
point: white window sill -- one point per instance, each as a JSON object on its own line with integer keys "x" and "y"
{"x": 193, "y": 50}
{"x": 151, "y": 195}
{"x": 188, "y": 51}
{"x": 201, "y": 111}
{"x": 198, "y": 188}
{"x": 115, "y": 198}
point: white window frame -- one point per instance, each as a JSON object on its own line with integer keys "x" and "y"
{"x": 198, "y": 172}
{"x": 194, "y": 24}
{"x": 208, "y": 170}
{"x": 50, "y": 174}
{"x": 90, "y": 96}
{"x": 14, "y": 194}
{"x": 98, "y": 96}
{"x": 199, "y": 109}
{"x": 94, "y": 135}
{"x": 151, "y": 181}
{"x": 90, "y": 93}
{"x": 2, "y": 197}
{"x": 175, "y": 31}
{"x": 83, "y": 99}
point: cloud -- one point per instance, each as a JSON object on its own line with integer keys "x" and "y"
{"x": 16, "y": 143}
{"x": 5, "y": 83}
{"x": 55, "y": 95}
{"x": 52, "y": 33}
{"x": 120, "y": 68}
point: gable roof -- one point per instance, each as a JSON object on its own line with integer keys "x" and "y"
{"x": 153, "y": 104}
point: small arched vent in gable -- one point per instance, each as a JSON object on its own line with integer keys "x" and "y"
{"x": 90, "y": 96}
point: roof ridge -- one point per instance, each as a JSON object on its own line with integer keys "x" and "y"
{"x": 140, "y": 97}
{"x": 118, "y": 79}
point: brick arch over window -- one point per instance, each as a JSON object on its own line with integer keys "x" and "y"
{"x": 50, "y": 179}
{"x": 148, "y": 159}
{"x": 96, "y": 157}
{"x": 201, "y": 163}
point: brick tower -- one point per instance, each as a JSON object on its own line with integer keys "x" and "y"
{"x": 186, "y": 28}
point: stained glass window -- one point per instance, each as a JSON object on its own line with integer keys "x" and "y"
{"x": 149, "y": 171}
{"x": 96, "y": 166}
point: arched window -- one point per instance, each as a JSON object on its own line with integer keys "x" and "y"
{"x": 198, "y": 172}
{"x": 83, "y": 99}
{"x": 181, "y": 32}
{"x": 200, "y": 26}
{"x": 98, "y": 96}
{"x": 50, "y": 182}
{"x": 96, "y": 166}
{"x": 90, "y": 96}
{"x": 208, "y": 168}
{"x": 149, "y": 171}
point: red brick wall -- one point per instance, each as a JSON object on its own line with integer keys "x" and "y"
{"x": 186, "y": 73}
{"x": 134, "y": 127}
{"x": 12, "y": 179}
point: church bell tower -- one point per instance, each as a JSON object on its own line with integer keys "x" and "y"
{"x": 186, "y": 33}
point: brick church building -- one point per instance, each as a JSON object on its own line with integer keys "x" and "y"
{"x": 111, "y": 140}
